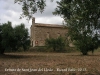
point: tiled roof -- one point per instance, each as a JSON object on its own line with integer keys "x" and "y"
{"x": 48, "y": 25}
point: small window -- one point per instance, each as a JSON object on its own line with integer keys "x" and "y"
{"x": 32, "y": 43}
{"x": 59, "y": 34}
{"x": 48, "y": 35}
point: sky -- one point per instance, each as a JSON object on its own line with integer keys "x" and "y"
{"x": 11, "y": 12}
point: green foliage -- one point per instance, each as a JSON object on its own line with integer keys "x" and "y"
{"x": 7, "y": 35}
{"x": 21, "y": 37}
{"x": 1, "y": 48}
{"x": 82, "y": 19}
{"x": 39, "y": 49}
{"x": 13, "y": 38}
{"x": 87, "y": 44}
{"x": 57, "y": 44}
{"x": 29, "y": 7}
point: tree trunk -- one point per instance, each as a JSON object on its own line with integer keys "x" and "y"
{"x": 84, "y": 52}
{"x": 54, "y": 48}
{"x": 2, "y": 51}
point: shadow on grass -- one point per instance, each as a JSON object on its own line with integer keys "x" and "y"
{"x": 83, "y": 55}
{"x": 21, "y": 56}
{"x": 15, "y": 56}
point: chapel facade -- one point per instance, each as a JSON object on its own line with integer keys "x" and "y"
{"x": 40, "y": 32}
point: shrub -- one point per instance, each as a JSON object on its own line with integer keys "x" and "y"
{"x": 57, "y": 44}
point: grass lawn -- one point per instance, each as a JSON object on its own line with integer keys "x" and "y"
{"x": 28, "y": 63}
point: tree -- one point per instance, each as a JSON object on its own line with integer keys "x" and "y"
{"x": 1, "y": 48}
{"x": 81, "y": 17}
{"x": 21, "y": 37}
{"x": 6, "y": 36}
{"x": 29, "y": 7}
{"x": 57, "y": 44}
{"x": 13, "y": 38}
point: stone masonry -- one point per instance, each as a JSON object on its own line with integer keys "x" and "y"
{"x": 40, "y": 32}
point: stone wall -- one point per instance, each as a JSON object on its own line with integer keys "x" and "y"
{"x": 40, "y": 32}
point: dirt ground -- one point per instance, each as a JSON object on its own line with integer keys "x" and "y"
{"x": 49, "y": 64}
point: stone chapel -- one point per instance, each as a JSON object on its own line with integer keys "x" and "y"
{"x": 40, "y": 32}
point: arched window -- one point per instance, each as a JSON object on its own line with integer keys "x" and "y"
{"x": 58, "y": 34}
{"x": 32, "y": 43}
{"x": 48, "y": 35}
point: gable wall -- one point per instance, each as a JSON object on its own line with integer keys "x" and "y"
{"x": 40, "y": 32}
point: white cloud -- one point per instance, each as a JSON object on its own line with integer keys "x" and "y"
{"x": 55, "y": 20}
{"x": 11, "y": 12}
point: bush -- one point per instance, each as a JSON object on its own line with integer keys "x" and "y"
{"x": 58, "y": 44}
{"x": 87, "y": 44}
{"x": 39, "y": 49}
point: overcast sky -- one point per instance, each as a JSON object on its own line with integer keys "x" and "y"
{"x": 11, "y": 12}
